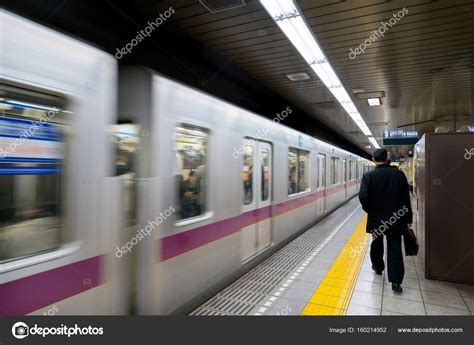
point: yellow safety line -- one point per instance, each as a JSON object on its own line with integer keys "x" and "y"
{"x": 334, "y": 293}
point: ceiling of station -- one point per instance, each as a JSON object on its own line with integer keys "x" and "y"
{"x": 422, "y": 66}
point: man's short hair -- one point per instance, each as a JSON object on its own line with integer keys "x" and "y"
{"x": 380, "y": 155}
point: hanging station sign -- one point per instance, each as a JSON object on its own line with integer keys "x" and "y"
{"x": 400, "y": 137}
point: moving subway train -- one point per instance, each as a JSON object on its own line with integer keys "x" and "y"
{"x": 149, "y": 210}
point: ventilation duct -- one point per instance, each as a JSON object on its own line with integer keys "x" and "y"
{"x": 216, "y": 6}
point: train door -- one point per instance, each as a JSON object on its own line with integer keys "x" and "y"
{"x": 125, "y": 136}
{"x": 321, "y": 185}
{"x": 257, "y": 197}
{"x": 264, "y": 184}
{"x": 344, "y": 177}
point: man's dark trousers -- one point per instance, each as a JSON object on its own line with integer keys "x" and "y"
{"x": 396, "y": 269}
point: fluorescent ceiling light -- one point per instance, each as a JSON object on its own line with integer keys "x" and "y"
{"x": 287, "y": 16}
{"x": 373, "y": 101}
{"x": 374, "y": 142}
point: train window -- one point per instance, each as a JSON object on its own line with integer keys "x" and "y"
{"x": 298, "y": 171}
{"x": 247, "y": 174}
{"x": 126, "y": 139}
{"x": 303, "y": 171}
{"x": 334, "y": 170}
{"x": 344, "y": 170}
{"x": 351, "y": 163}
{"x": 292, "y": 171}
{"x": 190, "y": 150}
{"x": 32, "y": 150}
{"x": 321, "y": 183}
{"x": 264, "y": 162}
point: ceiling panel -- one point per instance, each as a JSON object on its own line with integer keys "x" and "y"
{"x": 423, "y": 63}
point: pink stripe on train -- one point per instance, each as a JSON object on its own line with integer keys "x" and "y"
{"x": 26, "y": 295}
{"x": 183, "y": 242}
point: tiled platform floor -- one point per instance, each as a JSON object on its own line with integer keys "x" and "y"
{"x": 372, "y": 294}
{"x": 296, "y": 297}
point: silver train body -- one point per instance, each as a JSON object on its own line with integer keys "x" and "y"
{"x": 166, "y": 193}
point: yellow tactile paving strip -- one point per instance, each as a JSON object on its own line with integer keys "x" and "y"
{"x": 334, "y": 293}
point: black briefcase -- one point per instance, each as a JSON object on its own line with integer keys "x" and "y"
{"x": 411, "y": 244}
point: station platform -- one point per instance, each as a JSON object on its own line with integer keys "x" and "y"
{"x": 327, "y": 271}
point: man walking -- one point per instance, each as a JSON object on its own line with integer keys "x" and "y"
{"x": 385, "y": 196}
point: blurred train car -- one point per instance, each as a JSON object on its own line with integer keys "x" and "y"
{"x": 150, "y": 210}
{"x": 59, "y": 210}
{"x": 239, "y": 184}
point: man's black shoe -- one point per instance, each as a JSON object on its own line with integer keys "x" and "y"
{"x": 396, "y": 287}
{"x": 379, "y": 272}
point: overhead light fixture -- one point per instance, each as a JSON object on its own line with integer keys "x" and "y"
{"x": 290, "y": 20}
{"x": 378, "y": 123}
{"x": 374, "y": 101}
{"x": 298, "y": 76}
{"x": 216, "y": 6}
{"x": 374, "y": 142}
